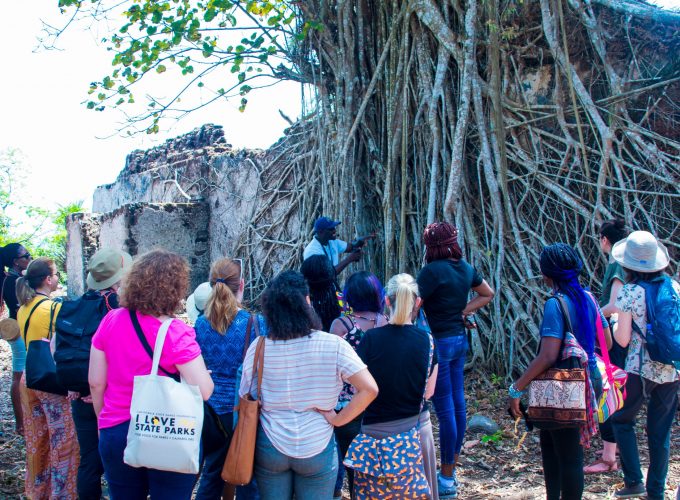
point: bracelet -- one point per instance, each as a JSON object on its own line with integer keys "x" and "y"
{"x": 514, "y": 392}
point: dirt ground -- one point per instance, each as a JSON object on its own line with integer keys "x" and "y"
{"x": 492, "y": 467}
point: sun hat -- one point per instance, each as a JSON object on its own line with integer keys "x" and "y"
{"x": 641, "y": 252}
{"x": 106, "y": 268}
{"x": 9, "y": 329}
{"x": 325, "y": 223}
{"x": 197, "y": 300}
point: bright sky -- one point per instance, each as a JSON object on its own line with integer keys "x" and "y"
{"x": 68, "y": 148}
{"x": 41, "y": 95}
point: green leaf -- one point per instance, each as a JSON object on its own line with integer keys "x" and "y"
{"x": 160, "y": 69}
{"x": 209, "y": 15}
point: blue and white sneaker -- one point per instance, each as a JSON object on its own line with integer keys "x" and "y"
{"x": 447, "y": 486}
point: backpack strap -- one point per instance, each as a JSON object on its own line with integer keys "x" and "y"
{"x": 146, "y": 345}
{"x": 52, "y": 327}
{"x": 28, "y": 320}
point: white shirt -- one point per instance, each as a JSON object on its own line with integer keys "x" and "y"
{"x": 299, "y": 376}
{"x": 332, "y": 249}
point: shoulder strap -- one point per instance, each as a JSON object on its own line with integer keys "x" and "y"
{"x": 145, "y": 343}
{"x": 348, "y": 328}
{"x": 28, "y": 320}
{"x": 567, "y": 320}
{"x": 246, "y": 340}
{"x": 430, "y": 356}
{"x": 258, "y": 366}
{"x": 2, "y": 291}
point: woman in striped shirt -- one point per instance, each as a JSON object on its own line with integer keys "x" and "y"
{"x": 303, "y": 373}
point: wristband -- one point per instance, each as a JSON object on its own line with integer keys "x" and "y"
{"x": 514, "y": 392}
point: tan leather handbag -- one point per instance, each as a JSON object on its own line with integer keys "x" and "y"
{"x": 238, "y": 466}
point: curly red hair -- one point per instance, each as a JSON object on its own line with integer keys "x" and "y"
{"x": 156, "y": 283}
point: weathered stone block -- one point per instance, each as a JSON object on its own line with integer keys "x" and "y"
{"x": 137, "y": 228}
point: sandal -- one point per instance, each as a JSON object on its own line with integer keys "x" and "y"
{"x": 596, "y": 467}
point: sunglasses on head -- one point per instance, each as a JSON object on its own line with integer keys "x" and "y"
{"x": 240, "y": 268}
{"x": 240, "y": 272}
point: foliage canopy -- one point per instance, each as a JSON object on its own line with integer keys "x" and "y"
{"x": 222, "y": 48}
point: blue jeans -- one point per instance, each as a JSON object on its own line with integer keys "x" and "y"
{"x": 211, "y": 484}
{"x": 90, "y": 469}
{"x": 663, "y": 402}
{"x": 449, "y": 397}
{"x": 132, "y": 483}
{"x": 280, "y": 476}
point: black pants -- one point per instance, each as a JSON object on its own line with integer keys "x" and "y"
{"x": 90, "y": 469}
{"x": 661, "y": 408}
{"x": 562, "y": 455}
{"x": 343, "y": 438}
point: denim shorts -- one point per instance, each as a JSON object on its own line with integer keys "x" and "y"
{"x": 18, "y": 354}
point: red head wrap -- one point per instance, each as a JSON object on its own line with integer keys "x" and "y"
{"x": 441, "y": 242}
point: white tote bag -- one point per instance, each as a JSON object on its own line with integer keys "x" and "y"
{"x": 166, "y": 418}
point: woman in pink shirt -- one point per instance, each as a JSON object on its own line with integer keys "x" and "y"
{"x": 150, "y": 293}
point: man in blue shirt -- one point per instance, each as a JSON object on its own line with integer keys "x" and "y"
{"x": 325, "y": 242}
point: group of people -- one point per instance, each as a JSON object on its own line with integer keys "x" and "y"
{"x": 635, "y": 261}
{"x": 342, "y": 365}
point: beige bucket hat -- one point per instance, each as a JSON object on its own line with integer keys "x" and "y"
{"x": 106, "y": 268}
{"x": 641, "y": 252}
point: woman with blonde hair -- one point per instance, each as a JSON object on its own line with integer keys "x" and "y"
{"x": 51, "y": 444}
{"x": 224, "y": 331}
{"x": 151, "y": 293}
{"x": 402, "y": 359}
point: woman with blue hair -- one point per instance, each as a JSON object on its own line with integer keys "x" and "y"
{"x": 562, "y": 448}
{"x": 365, "y": 295}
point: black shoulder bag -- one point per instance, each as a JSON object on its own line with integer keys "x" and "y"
{"x": 41, "y": 372}
{"x": 213, "y": 434}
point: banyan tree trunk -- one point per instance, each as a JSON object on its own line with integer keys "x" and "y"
{"x": 524, "y": 123}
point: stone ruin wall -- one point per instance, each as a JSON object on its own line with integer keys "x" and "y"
{"x": 194, "y": 195}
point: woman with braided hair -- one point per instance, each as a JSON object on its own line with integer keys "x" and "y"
{"x": 562, "y": 448}
{"x": 445, "y": 284}
{"x": 320, "y": 276}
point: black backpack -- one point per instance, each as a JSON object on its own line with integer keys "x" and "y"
{"x": 76, "y": 324}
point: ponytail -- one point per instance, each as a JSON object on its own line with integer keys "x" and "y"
{"x": 222, "y": 304}
{"x": 36, "y": 272}
{"x": 402, "y": 291}
{"x": 25, "y": 293}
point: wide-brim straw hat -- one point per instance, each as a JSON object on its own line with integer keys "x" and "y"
{"x": 106, "y": 268}
{"x": 9, "y": 329}
{"x": 197, "y": 300}
{"x": 641, "y": 252}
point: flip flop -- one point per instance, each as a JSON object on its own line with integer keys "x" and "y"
{"x": 594, "y": 469}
